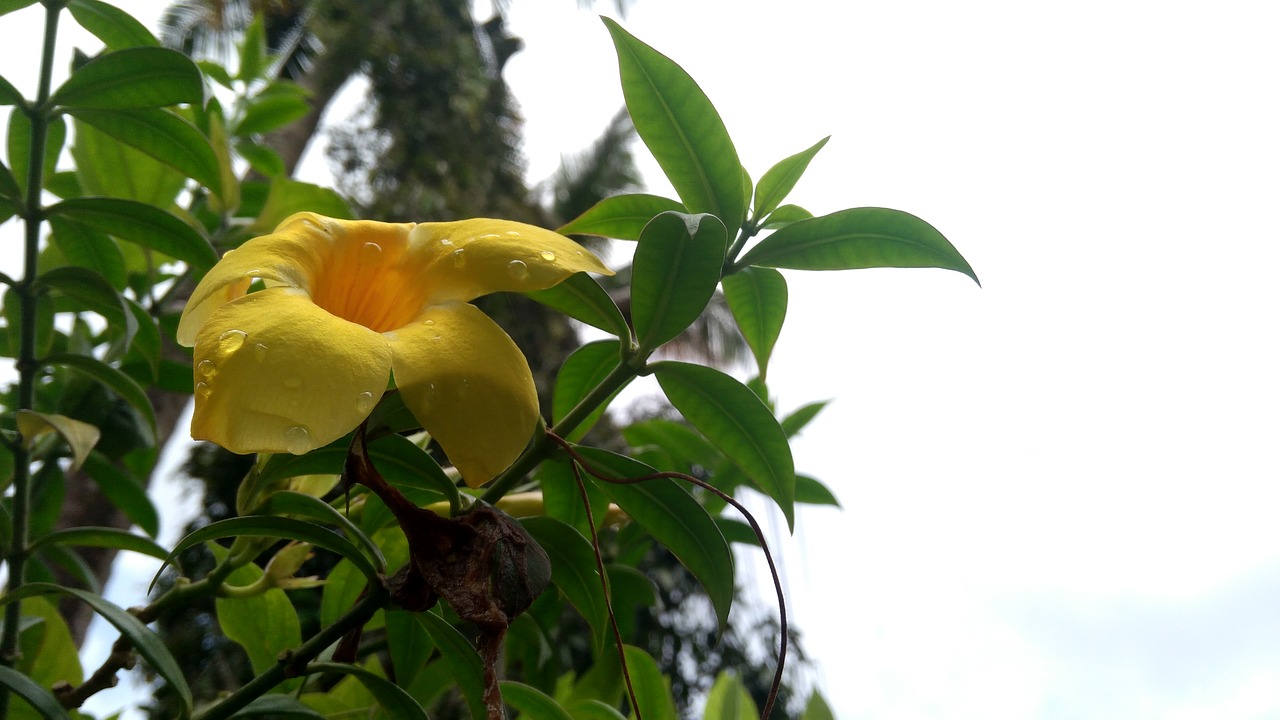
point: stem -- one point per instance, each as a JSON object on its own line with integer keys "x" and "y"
{"x": 745, "y": 234}
{"x": 27, "y": 365}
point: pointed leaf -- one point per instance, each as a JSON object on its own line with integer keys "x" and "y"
{"x": 102, "y": 537}
{"x": 581, "y": 372}
{"x": 116, "y": 28}
{"x": 264, "y": 625}
{"x": 272, "y": 110}
{"x": 802, "y": 416}
{"x": 781, "y": 178}
{"x": 621, "y": 216}
{"x": 581, "y": 298}
{"x": 276, "y": 706}
{"x": 784, "y": 216}
{"x": 122, "y": 489}
{"x": 573, "y": 571}
{"x": 9, "y": 94}
{"x": 408, "y": 644}
{"x": 462, "y": 659}
{"x": 812, "y": 492}
{"x": 162, "y": 135}
{"x": 79, "y": 436}
{"x": 652, "y": 691}
{"x": 136, "y": 77}
{"x": 8, "y": 186}
{"x": 758, "y": 300}
{"x": 143, "y": 224}
{"x": 674, "y": 274}
{"x": 729, "y": 700}
{"x": 89, "y": 248}
{"x": 817, "y": 708}
{"x": 393, "y": 699}
{"x": 19, "y": 145}
{"x": 33, "y": 693}
{"x": 114, "y": 380}
{"x": 671, "y": 515}
{"x": 680, "y": 126}
{"x": 88, "y": 290}
{"x": 728, "y": 414}
{"x": 858, "y": 238}
{"x": 288, "y": 502}
{"x": 531, "y": 702}
{"x": 288, "y": 196}
{"x": 107, "y": 166}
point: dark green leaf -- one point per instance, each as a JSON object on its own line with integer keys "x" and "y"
{"x": 9, "y": 94}
{"x": 581, "y": 372}
{"x": 562, "y": 497}
{"x": 671, "y": 515}
{"x": 593, "y": 710}
{"x": 729, "y": 700}
{"x": 531, "y": 702}
{"x": 8, "y": 186}
{"x": 581, "y": 298}
{"x": 736, "y": 531}
{"x": 682, "y": 129}
{"x": 858, "y": 238}
{"x": 573, "y": 571}
{"x": 122, "y": 489}
{"x": 758, "y": 300}
{"x": 19, "y": 144}
{"x": 137, "y": 77}
{"x": 34, "y": 694}
{"x": 148, "y": 644}
{"x": 276, "y": 706}
{"x": 8, "y": 6}
{"x": 728, "y": 414}
{"x": 621, "y": 216}
{"x": 652, "y": 692}
{"x": 90, "y": 291}
{"x": 802, "y": 416}
{"x": 398, "y": 703}
{"x": 102, "y": 537}
{"x": 89, "y": 248}
{"x": 143, "y": 224}
{"x": 146, "y": 342}
{"x": 164, "y": 136}
{"x": 113, "y": 379}
{"x": 288, "y": 502}
{"x": 784, "y": 216}
{"x": 781, "y": 178}
{"x": 674, "y": 274}
{"x": 461, "y": 658}
{"x": 116, "y": 28}
{"x": 271, "y": 111}
{"x": 812, "y": 492}
{"x": 409, "y": 645}
{"x": 681, "y": 443}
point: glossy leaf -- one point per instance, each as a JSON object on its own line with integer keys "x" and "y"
{"x": 621, "y": 216}
{"x": 264, "y": 625}
{"x": 276, "y": 706}
{"x": 779, "y": 180}
{"x": 139, "y": 77}
{"x": 858, "y": 238}
{"x": 671, "y": 515}
{"x": 728, "y": 414}
{"x": 102, "y": 537}
{"x": 79, "y": 436}
{"x": 107, "y": 166}
{"x": 531, "y": 702}
{"x": 729, "y": 700}
{"x": 146, "y": 341}
{"x": 462, "y": 659}
{"x": 89, "y": 248}
{"x": 573, "y": 571}
{"x": 398, "y": 703}
{"x": 581, "y": 372}
{"x": 812, "y": 492}
{"x": 581, "y": 298}
{"x": 680, "y": 126}
{"x": 652, "y": 693}
{"x": 677, "y": 440}
{"x": 161, "y": 134}
{"x": 784, "y": 216}
{"x": 88, "y": 290}
{"x": 288, "y": 502}
{"x": 802, "y": 416}
{"x": 116, "y": 28}
{"x": 143, "y": 224}
{"x": 113, "y": 379}
{"x": 148, "y": 644}
{"x": 40, "y": 699}
{"x": 122, "y": 489}
{"x": 758, "y": 300}
{"x": 675, "y": 272}
{"x": 562, "y": 498}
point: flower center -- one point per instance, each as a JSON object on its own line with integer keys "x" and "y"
{"x": 364, "y": 281}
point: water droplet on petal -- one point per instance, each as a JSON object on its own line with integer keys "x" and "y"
{"x": 446, "y": 242}
{"x": 203, "y": 391}
{"x": 259, "y": 352}
{"x": 207, "y": 369}
{"x": 308, "y": 222}
{"x": 293, "y": 383}
{"x": 370, "y": 253}
{"x": 428, "y": 323}
{"x": 548, "y": 255}
{"x": 364, "y": 403}
{"x": 231, "y": 341}
{"x": 297, "y": 440}
{"x": 517, "y": 269}
{"x": 434, "y": 337}
{"x": 512, "y": 233}
{"x": 459, "y": 260}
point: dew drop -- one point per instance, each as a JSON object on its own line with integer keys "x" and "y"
{"x": 293, "y": 383}
{"x": 364, "y": 403}
{"x": 434, "y": 337}
{"x": 207, "y": 369}
{"x": 203, "y": 391}
{"x": 459, "y": 260}
{"x": 548, "y": 255}
{"x": 517, "y": 269}
{"x": 231, "y": 341}
{"x": 297, "y": 440}
{"x": 428, "y": 323}
{"x": 446, "y": 242}
{"x": 259, "y": 352}
{"x": 370, "y": 253}
{"x": 512, "y": 233}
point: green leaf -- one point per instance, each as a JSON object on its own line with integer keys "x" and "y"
{"x": 88, "y": 290}
{"x": 621, "y": 216}
{"x": 680, "y": 126}
{"x": 79, "y": 436}
{"x": 161, "y": 134}
{"x": 781, "y": 178}
{"x": 33, "y": 693}
{"x": 102, "y": 537}
{"x": 8, "y": 186}
{"x": 122, "y": 489}
{"x": 287, "y": 197}
{"x": 728, "y": 414}
{"x": 8, "y": 6}
{"x": 143, "y": 224}
{"x": 653, "y": 693}
{"x": 9, "y": 94}
{"x": 114, "y": 380}
{"x": 671, "y": 515}
{"x": 462, "y": 659}
{"x": 729, "y": 700}
{"x": 86, "y": 247}
{"x": 398, "y": 703}
{"x": 276, "y": 706}
{"x": 253, "y": 51}
{"x": 148, "y": 644}
{"x": 573, "y": 570}
{"x": 858, "y": 238}
{"x": 784, "y": 216}
{"x": 265, "y": 624}
{"x": 106, "y": 166}
{"x": 19, "y": 144}
{"x": 146, "y": 342}
{"x": 409, "y": 646}
{"x": 116, "y": 28}
{"x": 758, "y": 300}
{"x": 562, "y": 497}
{"x": 802, "y": 416}
{"x": 531, "y": 702}
{"x": 812, "y": 492}
{"x": 581, "y": 298}
{"x": 227, "y": 196}
{"x": 674, "y": 274}
{"x": 817, "y": 708}
{"x": 288, "y": 502}
{"x": 262, "y": 159}
{"x": 681, "y": 443}
{"x": 272, "y": 109}
{"x": 48, "y": 652}
{"x": 593, "y": 710}
{"x": 138, "y": 77}
{"x": 581, "y": 372}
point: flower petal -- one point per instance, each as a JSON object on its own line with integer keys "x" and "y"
{"x": 469, "y": 386}
{"x": 275, "y": 373}
{"x": 469, "y": 258}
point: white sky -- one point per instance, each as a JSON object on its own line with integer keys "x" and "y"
{"x": 1060, "y": 490}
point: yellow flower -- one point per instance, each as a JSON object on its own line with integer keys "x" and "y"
{"x": 348, "y": 304}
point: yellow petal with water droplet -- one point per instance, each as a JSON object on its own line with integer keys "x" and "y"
{"x": 471, "y": 388}
{"x": 301, "y": 395}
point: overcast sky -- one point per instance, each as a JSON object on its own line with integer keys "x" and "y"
{"x": 1060, "y": 490}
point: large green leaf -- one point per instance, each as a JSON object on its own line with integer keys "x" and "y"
{"x": 531, "y": 702}
{"x": 398, "y": 703}
{"x": 670, "y": 514}
{"x": 652, "y": 691}
{"x": 19, "y": 145}
{"x": 122, "y": 489}
{"x": 9, "y": 94}
{"x": 143, "y": 224}
{"x": 562, "y": 498}
{"x": 593, "y": 710}
{"x": 858, "y": 238}
{"x": 735, "y": 420}
{"x": 8, "y": 6}
{"x": 581, "y": 372}
{"x": 136, "y": 77}
{"x": 116, "y": 28}
{"x": 758, "y": 300}
{"x": 777, "y": 183}
{"x": 784, "y": 216}
{"x": 675, "y": 272}
{"x": 102, "y": 537}
{"x": 105, "y": 166}
{"x": 462, "y": 659}
{"x": 88, "y": 248}
{"x": 581, "y": 298}
{"x": 81, "y": 437}
{"x": 680, "y": 126}
{"x": 33, "y": 693}
{"x": 573, "y": 571}
{"x": 408, "y": 644}
{"x": 168, "y": 138}
{"x": 148, "y": 644}
{"x": 729, "y": 700}
{"x": 86, "y": 289}
{"x": 264, "y": 625}
{"x": 288, "y": 196}
{"x": 621, "y": 216}
{"x": 115, "y": 380}
{"x": 288, "y": 502}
